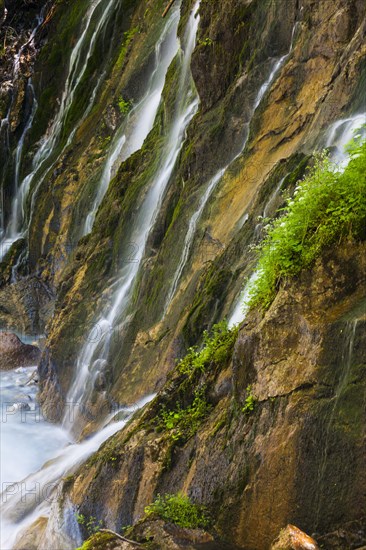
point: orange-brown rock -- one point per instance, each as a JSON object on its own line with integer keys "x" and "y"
{"x": 292, "y": 538}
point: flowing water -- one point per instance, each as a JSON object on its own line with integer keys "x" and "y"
{"x": 94, "y": 23}
{"x": 341, "y": 133}
{"x": 94, "y": 354}
{"x": 212, "y": 184}
{"x": 29, "y": 489}
{"x": 140, "y": 120}
{"x": 36, "y": 455}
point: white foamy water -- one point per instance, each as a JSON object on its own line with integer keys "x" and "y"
{"x": 27, "y": 440}
{"x": 36, "y": 455}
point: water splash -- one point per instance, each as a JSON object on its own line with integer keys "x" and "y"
{"x": 26, "y": 496}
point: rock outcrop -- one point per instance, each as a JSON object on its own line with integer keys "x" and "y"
{"x": 292, "y": 538}
{"x": 296, "y": 458}
{"x": 296, "y": 455}
{"x": 14, "y": 354}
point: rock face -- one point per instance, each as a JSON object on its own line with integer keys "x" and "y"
{"x": 315, "y": 86}
{"x": 298, "y": 457}
{"x": 292, "y": 538}
{"x": 14, "y": 354}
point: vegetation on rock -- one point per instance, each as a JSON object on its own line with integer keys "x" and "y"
{"x": 328, "y": 207}
{"x": 217, "y": 349}
{"x": 183, "y": 423}
{"x": 179, "y": 510}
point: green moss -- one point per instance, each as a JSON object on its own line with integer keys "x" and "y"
{"x": 217, "y": 348}
{"x": 178, "y": 509}
{"x": 127, "y": 39}
{"x": 182, "y": 423}
{"x": 97, "y": 542}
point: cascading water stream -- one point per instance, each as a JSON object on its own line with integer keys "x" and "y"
{"x": 94, "y": 24}
{"x": 6, "y": 235}
{"x": 20, "y": 509}
{"x": 212, "y": 184}
{"x": 94, "y": 354}
{"x": 341, "y": 133}
{"x": 28, "y": 489}
{"x": 140, "y": 119}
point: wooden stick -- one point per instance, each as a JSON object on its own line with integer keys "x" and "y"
{"x": 119, "y": 536}
{"x": 168, "y": 8}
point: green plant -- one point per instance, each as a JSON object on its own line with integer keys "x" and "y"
{"x": 328, "y": 207}
{"x": 179, "y": 510}
{"x": 250, "y": 401}
{"x": 205, "y": 42}
{"x": 124, "y": 105}
{"x": 127, "y": 39}
{"x": 91, "y": 524}
{"x": 217, "y": 349}
{"x": 183, "y": 423}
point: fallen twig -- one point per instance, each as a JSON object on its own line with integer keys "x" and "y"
{"x": 168, "y": 8}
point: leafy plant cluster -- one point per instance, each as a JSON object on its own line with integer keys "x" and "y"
{"x": 328, "y": 207}
{"x": 250, "y": 401}
{"x": 183, "y": 423}
{"x": 124, "y": 105}
{"x": 179, "y": 510}
{"x": 205, "y": 41}
{"x": 91, "y": 524}
{"x": 217, "y": 349}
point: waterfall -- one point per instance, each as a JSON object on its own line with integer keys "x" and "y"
{"x": 83, "y": 50}
{"x": 19, "y": 509}
{"x": 140, "y": 119}
{"x": 11, "y": 234}
{"x": 212, "y": 184}
{"x": 94, "y": 354}
{"x": 341, "y": 133}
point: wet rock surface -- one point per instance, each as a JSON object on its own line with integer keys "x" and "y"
{"x": 298, "y": 457}
{"x": 292, "y": 538}
{"x": 14, "y": 354}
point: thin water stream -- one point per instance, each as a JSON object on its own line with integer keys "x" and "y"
{"x": 95, "y": 20}
{"x": 212, "y": 184}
